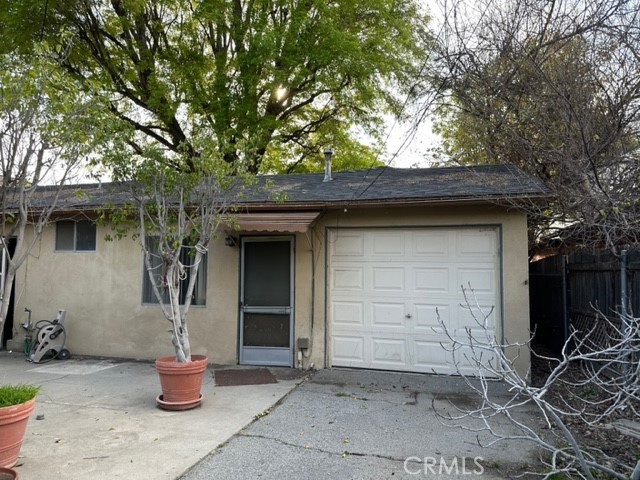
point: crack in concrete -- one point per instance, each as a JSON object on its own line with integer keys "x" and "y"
{"x": 321, "y": 450}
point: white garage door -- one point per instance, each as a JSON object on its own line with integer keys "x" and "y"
{"x": 386, "y": 285}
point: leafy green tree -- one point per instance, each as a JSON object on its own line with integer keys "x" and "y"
{"x": 244, "y": 79}
{"x": 43, "y": 137}
{"x": 349, "y": 153}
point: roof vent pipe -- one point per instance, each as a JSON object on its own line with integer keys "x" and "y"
{"x": 328, "y": 153}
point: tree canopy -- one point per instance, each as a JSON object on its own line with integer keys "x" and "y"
{"x": 554, "y": 88}
{"x": 262, "y": 85}
{"x": 43, "y": 139}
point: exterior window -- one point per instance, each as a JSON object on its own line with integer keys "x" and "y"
{"x": 186, "y": 258}
{"x": 74, "y": 236}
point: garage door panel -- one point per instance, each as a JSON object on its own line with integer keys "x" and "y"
{"x": 390, "y": 243}
{"x": 388, "y": 315}
{"x": 384, "y": 305}
{"x": 476, "y": 315}
{"x": 385, "y": 279}
{"x": 348, "y": 313}
{"x": 476, "y": 244}
{"x": 467, "y": 360}
{"x": 389, "y": 352}
{"x": 479, "y": 337}
{"x": 348, "y": 350}
{"x": 430, "y": 244}
{"x": 426, "y": 318}
{"x": 348, "y": 244}
{"x": 481, "y": 280}
{"x": 431, "y": 357}
{"x": 348, "y": 278}
{"x": 431, "y": 279}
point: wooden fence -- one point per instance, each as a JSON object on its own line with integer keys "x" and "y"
{"x": 565, "y": 289}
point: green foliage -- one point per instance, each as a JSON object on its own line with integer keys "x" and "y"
{"x": 242, "y": 79}
{"x": 16, "y": 394}
{"x": 53, "y": 112}
{"x": 349, "y": 154}
{"x": 122, "y": 221}
{"x": 519, "y": 106}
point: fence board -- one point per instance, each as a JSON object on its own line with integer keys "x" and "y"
{"x": 593, "y": 282}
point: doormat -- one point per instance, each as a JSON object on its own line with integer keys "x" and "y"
{"x": 243, "y": 376}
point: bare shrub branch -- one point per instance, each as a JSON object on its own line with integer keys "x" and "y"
{"x": 596, "y": 381}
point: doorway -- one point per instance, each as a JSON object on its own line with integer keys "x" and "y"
{"x": 7, "y": 330}
{"x": 266, "y": 301}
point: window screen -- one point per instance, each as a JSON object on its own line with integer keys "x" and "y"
{"x": 199, "y": 291}
{"x": 65, "y": 232}
{"x": 85, "y": 236}
{"x": 75, "y": 236}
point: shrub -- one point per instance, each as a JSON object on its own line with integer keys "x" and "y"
{"x": 17, "y": 394}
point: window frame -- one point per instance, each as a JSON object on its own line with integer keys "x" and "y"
{"x": 75, "y": 249}
{"x": 199, "y": 291}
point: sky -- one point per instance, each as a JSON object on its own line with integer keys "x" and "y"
{"x": 406, "y": 149}
{"x": 411, "y": 149}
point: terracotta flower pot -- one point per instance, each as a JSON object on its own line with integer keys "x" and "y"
{"x": 8, "y": 474}
{"x": 13, "y": 425}
{"x": 181, "y": 382}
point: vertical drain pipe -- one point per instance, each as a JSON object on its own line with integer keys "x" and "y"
{"x": 328, "y": 153}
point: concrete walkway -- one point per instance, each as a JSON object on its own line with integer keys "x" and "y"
{"x": 99, "y": 419}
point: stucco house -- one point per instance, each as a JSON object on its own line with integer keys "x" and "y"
{"x": 342, "y": 273}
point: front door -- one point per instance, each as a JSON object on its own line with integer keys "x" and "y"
{"x": 266, "y": 301}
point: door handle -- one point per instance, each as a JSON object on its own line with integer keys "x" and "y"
{"x": 408, "y": 315}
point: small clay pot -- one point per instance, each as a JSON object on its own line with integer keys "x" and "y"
{"x": 8, "y": 474}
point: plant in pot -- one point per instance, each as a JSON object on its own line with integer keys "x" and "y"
{"x": 179, "y": 213}
{"x": 17, "y": 403}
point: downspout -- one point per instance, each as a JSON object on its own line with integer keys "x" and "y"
{"x": 313, "y": 282}
{"x": 328, "y": 154}
{"x": 313, "y": 295}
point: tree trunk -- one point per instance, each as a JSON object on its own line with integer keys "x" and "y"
{"x": 180, "y": 335}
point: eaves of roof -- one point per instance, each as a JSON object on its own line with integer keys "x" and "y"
{"x": 388, "y": 187}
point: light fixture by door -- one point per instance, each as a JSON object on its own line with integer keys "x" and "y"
{"x": 230, "y": 241}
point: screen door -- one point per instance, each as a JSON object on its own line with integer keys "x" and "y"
{"x": 266, "y": 301}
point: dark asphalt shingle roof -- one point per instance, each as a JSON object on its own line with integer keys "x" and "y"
{"x": 397, "y": 184}
{"x": 380, "y": 185}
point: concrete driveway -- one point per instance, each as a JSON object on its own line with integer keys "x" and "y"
{"x": 344, "y": 424}
{"x": 99, "y": 420}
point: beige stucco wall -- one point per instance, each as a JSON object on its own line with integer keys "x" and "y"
{"x": 102, "y": 293}
{"x": 102, "y": 290}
